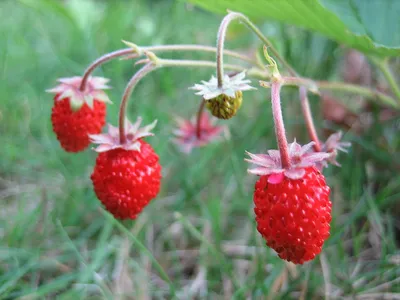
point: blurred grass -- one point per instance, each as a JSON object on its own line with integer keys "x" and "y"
{"x": 57, "y": 241}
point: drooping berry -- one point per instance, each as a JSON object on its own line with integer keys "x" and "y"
{"x": 76, "y": 113}
{"x": 293, "y": 216}
{"x": 292, "y": 205}
{"x": 126, "y": 176}
{"x": 223, "y": 102}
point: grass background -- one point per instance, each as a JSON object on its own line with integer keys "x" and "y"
{"x": 199, "y": 237}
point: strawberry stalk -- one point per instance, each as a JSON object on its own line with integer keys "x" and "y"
{"x": 198, "y": 123}
{"x": 220, "y": 46}
{"x": 101, "y": 60}
{"x": 140, "y": 50}
{"x": 221, "y": 40}
{"x": 278, "y": 122}
{"x": 135, "y": 51}
{"x": 305, "y": 107}
{"x": 127, "y": 93}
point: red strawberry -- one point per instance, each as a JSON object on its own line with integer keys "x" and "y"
{"x": 292, "y": 206}
{"x": 126, "y": 176}
{"x": 76, "y": 113}
{"x": 293, "y": 216}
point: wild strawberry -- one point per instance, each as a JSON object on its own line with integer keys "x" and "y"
{"x": 292, "y": 206}
{"x": 194, "y": 133}
{"x": 77, "y": 113}
{"x": 126, "y": 176}
{"x": 223, "y": 102}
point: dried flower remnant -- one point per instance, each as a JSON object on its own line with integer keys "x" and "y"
{"x": 191, "y": 134}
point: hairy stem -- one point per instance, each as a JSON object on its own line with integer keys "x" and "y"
{"x": 341, "y": 86}
{"x": 255, "y": 72}
{"x": 220, "y": 46}
{"x": 162, "y": 48}
{"x": 166, "y": 48}
{"x": 199, "y": 117}
{"x": 101, "y": 60}
{"x": 127, "y": 93}
{"x": 221, "y": 41}
{"x": 305, "y": 106}
{"x": 357, "y": 89}
{"x": 278, "y": 122}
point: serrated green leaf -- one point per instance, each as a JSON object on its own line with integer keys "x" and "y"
{"x": 370, "y": 26}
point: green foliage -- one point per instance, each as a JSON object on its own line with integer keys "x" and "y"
{"x": 372, "y": 27}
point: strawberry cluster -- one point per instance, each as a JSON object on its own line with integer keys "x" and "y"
{"x": 291, "y": 197}
{"x": 127, "y": 174}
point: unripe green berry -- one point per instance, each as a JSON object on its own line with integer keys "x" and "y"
{"x": 223, "y": 106}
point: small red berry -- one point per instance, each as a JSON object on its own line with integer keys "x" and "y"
{"x": 294, "y": 215}
{"x": 292, "y": 205}
{"x": 126, "y": 180}
{"x": 126, "y": 176}
{"x": 72, "y": 128}
{"x": 76, "y": 113}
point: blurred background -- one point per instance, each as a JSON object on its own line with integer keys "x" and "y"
{"x": 198, "y": 237}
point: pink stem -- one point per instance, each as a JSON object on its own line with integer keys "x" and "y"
{"x": 105, "y": 58}
{"x": 199, "y": 115}
{"x": 305, "y": 106}
{"x": 127, "y": 93}
{"x": 278, "y": 122}
{"x": 220, "y": 44}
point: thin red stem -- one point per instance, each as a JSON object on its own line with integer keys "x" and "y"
{"x": 101, "y": 60}
{"x": 199, "y": 115}
{"x": 127, "y": 93}
{"x": 221, "y": 40}
{"x": 278, "y": 122}
{"x": 220, "y": 45}
{"x": 305, "y": 106}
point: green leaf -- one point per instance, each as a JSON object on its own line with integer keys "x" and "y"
{"x": 48, "y": 6}
{"x": 371, "y": 26}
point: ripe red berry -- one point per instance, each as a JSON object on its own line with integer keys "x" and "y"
{"x": 126, "y": 175}
{"x": 126, "y": 180}
{"x": 293, "y": 216}
{"x": 77, "y": 113}
{"x": 292, "y": 205}
{"x": 72, "y": 128}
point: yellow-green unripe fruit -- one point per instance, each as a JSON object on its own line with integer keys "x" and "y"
{"x": 223, "y": 106}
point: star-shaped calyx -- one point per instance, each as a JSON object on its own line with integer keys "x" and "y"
{"x": 133, "y": 133}
{"x": 70, "y": 88}
{"x": 231, "y": 85}
{"x": 191, "y": 135}
{"x": 334, "y": 144}
{"x": 223, "y": 101}
{"x": 301, "y": 157}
